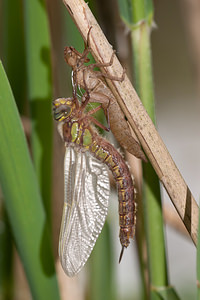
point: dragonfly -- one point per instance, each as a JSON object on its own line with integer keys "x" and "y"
{"x": 99, "y": 92}
{"x": 87, "y": 160}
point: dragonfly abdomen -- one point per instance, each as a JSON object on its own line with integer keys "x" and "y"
{"x": 105, "y": 152}
{"x": 75, "y": 134}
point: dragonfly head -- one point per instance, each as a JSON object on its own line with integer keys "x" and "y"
{"x": 72, "y": 57}
{"x": 62, "y": 108}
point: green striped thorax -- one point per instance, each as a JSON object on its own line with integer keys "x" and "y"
{"x": 66, "y": 113}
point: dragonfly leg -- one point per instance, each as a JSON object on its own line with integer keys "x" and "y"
{"x": 94, "y": 110}
{"x": 88, "y": 49}
{"x": 107, "y": 114}
{"x": 93, "y": 120}
{"x": 87, "y": 43}
{"x": 83, "y": 57}
{"x": 75, "y": 95}
{"x": 99, "y": 65}
{"x": 104, "y": 100}
{"x": 102, "y": 65}
{"x": 88, "y": 115}
{"x": 115, "y": 78}
{"x": 86, "y": 95}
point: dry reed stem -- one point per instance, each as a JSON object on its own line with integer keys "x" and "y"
{"x": 138, "y": 118}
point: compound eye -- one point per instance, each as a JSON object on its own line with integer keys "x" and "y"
{"x": 61, "y": 112}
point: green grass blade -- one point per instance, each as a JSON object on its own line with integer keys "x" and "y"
{"x": 125, "y": 11}
{"x": 133, "y": 12}
{"x": 101, "y": 270}
{"x": 13, "y": 55}
{"x": 23, "y": 201}
{"x": 40, "y": 94}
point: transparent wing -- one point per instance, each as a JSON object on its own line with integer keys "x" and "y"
{"x": 85, "y": 208}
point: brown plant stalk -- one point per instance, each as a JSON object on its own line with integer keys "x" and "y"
{"x": 138, "y": 118}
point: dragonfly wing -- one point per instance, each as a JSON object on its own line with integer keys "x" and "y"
{"x": 85, "y": 208}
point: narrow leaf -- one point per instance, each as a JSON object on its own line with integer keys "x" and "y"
{"x": 40, "y": 93}
{"x": 23, "y": 201}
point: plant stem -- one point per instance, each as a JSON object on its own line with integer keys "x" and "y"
{"x": 140, "y": 36}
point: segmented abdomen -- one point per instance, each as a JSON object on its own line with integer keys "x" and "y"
{"x": 105, "y": 152}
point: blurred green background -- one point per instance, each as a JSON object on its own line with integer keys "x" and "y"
{"x": 33, "y": 35}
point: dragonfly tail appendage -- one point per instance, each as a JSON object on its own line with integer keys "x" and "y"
{"x": 121, "y": 254}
